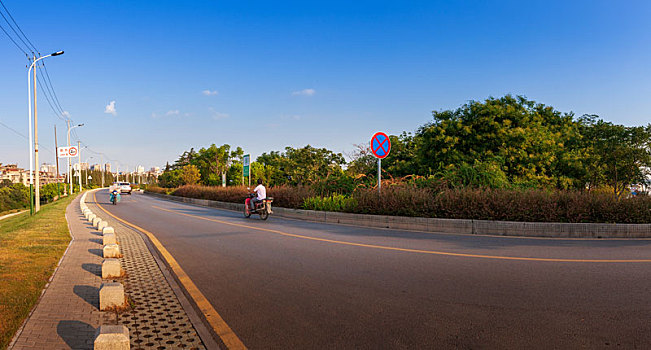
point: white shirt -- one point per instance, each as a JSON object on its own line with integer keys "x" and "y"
{"x": 261, "y": 191}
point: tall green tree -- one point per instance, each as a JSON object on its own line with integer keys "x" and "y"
{"x": 524, "y": 139}
{"x": 617, "y": 155}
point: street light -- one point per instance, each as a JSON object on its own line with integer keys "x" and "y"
{"x": 69, "y": 170}
{"x": 88, "y": 168}
{"x": 34, "y": 153}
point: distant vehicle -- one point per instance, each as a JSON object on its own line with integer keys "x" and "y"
{"x": 125, "y": 187}
{"x": 115, "y": 196}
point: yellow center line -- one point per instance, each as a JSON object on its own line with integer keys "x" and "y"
{"x": 222, "y": 329}
{"x": 408, "y": 249}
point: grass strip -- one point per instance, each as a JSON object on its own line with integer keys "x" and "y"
{"x": 30, "y": 247}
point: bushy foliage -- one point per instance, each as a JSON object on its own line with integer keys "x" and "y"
{"x": 335, "y": 202}
{"x": 13, "y": 196}
{"x": 284, "y": 196}
{"x": 530, "y": 205}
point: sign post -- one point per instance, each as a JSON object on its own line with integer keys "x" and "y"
{"x": 380, "y": 146}
{"x": 246, "y": 168}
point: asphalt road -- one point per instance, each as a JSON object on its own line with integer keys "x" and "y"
{"x": 300, "y": 285}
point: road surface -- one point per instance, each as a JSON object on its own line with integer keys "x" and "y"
{"x": 294, "y": 284}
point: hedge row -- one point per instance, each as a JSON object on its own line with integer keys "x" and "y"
{"x": 481, "y": 204}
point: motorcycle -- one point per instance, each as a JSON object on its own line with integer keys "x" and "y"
{"x": 263, "y": 208}
{"x": 115, "y": 197}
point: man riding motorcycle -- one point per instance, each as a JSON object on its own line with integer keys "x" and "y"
{"x": 261, "y": 194}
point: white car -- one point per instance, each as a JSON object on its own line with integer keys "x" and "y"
{"x": 124, "y": 187}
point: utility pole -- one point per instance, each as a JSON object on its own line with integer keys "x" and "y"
{"x": 56, "y": 152}
{"x": 37, "y": 195}
{"x": 29, "y": 113}
{"x": 103, "y": 169}
{"x": 79, "y": 162}
{"x": 68, "y": 158}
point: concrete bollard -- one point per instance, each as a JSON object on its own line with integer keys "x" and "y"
{"x": 111, "y": 295}
{"x": 109, "y": 238}
{"x": 111, "y": 268}
{"x": 96, "y": 222}
{"x": 112, "y": 337}
{"x": 111, "y": 251}
{"x": 91, "y": 217}
{"x": 102, "y": 225}
{"x": 87, "y": 214}
{"x": 108, "y": 229}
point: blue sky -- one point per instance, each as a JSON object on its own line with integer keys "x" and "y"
{"x": 265, "y": 75}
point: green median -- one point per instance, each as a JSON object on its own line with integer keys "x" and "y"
{"x": 30, "y": 248}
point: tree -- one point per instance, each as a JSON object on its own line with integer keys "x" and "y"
{"x": 190, "y": 175}
{"x": 524, "y": 139}
{"x": 618, "y": 155}
{"x": 299, "y": 166}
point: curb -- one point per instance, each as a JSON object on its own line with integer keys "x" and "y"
{"x": 449, "y": 226}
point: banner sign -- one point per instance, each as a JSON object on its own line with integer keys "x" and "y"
{"x": 68, "y": 152}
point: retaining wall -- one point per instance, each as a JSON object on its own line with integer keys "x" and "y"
{"x": 459, "y": 226}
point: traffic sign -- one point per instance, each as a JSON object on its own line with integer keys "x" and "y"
{"x": 68, "y": 152}
{"x": 380, "y": 145}
{"x": 246, "y": 162}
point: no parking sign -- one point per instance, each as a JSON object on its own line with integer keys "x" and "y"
{"x": 380, "y": 146}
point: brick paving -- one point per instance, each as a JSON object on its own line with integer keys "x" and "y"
{"x": 68, "y": 312}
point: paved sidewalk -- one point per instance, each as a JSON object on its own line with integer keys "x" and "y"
{"x": 67, "y": 314}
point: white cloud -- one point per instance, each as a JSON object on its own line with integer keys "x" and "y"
{"x": 110, "y": 108}
{"x": 291, "y": 117}
{"x": 172, "y": 112}
{"x": 304, "y": 92}
{"x": 66, "y": 114}
{"x": 217, "y": 115}
{"x": 210, "y": 92}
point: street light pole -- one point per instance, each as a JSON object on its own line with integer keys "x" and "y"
{"x": 87, "y": 169}
{"x": 69, "y": 168}
{"x": 79, "y": 163}
{"x": 31, "y": 152}
{"x": 37, "y": 180}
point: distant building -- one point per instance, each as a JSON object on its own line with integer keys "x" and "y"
{"x": 155, "y": 170}
{"x": 95, "y": 167}
{"x": 107, "y": 167}
{"x": 48, "y": 168}
{"x": 77, "y": 166}
{"x": 140, "y": 170}
{"x": 14, "y": 174}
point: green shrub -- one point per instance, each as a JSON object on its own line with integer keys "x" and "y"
{"x": 427, "y": 197}
{"x": 335, "y": 202}
{"x": 284, "y": 196}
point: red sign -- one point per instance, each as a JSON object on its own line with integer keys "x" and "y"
{"x": 67, "y": 152}
{"x": 380, "y": 145}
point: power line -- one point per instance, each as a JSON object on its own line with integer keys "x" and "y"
{"x": 17, "y": 26}
{"x": 47, "y": 98}
{"x": 13, "y": 41}
{"x": 14, "y": 130}
{"x": 56, "y": 98}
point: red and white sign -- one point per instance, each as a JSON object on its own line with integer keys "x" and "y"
{"x": 68, "y": 152}
{"x": 380, "y": 145}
